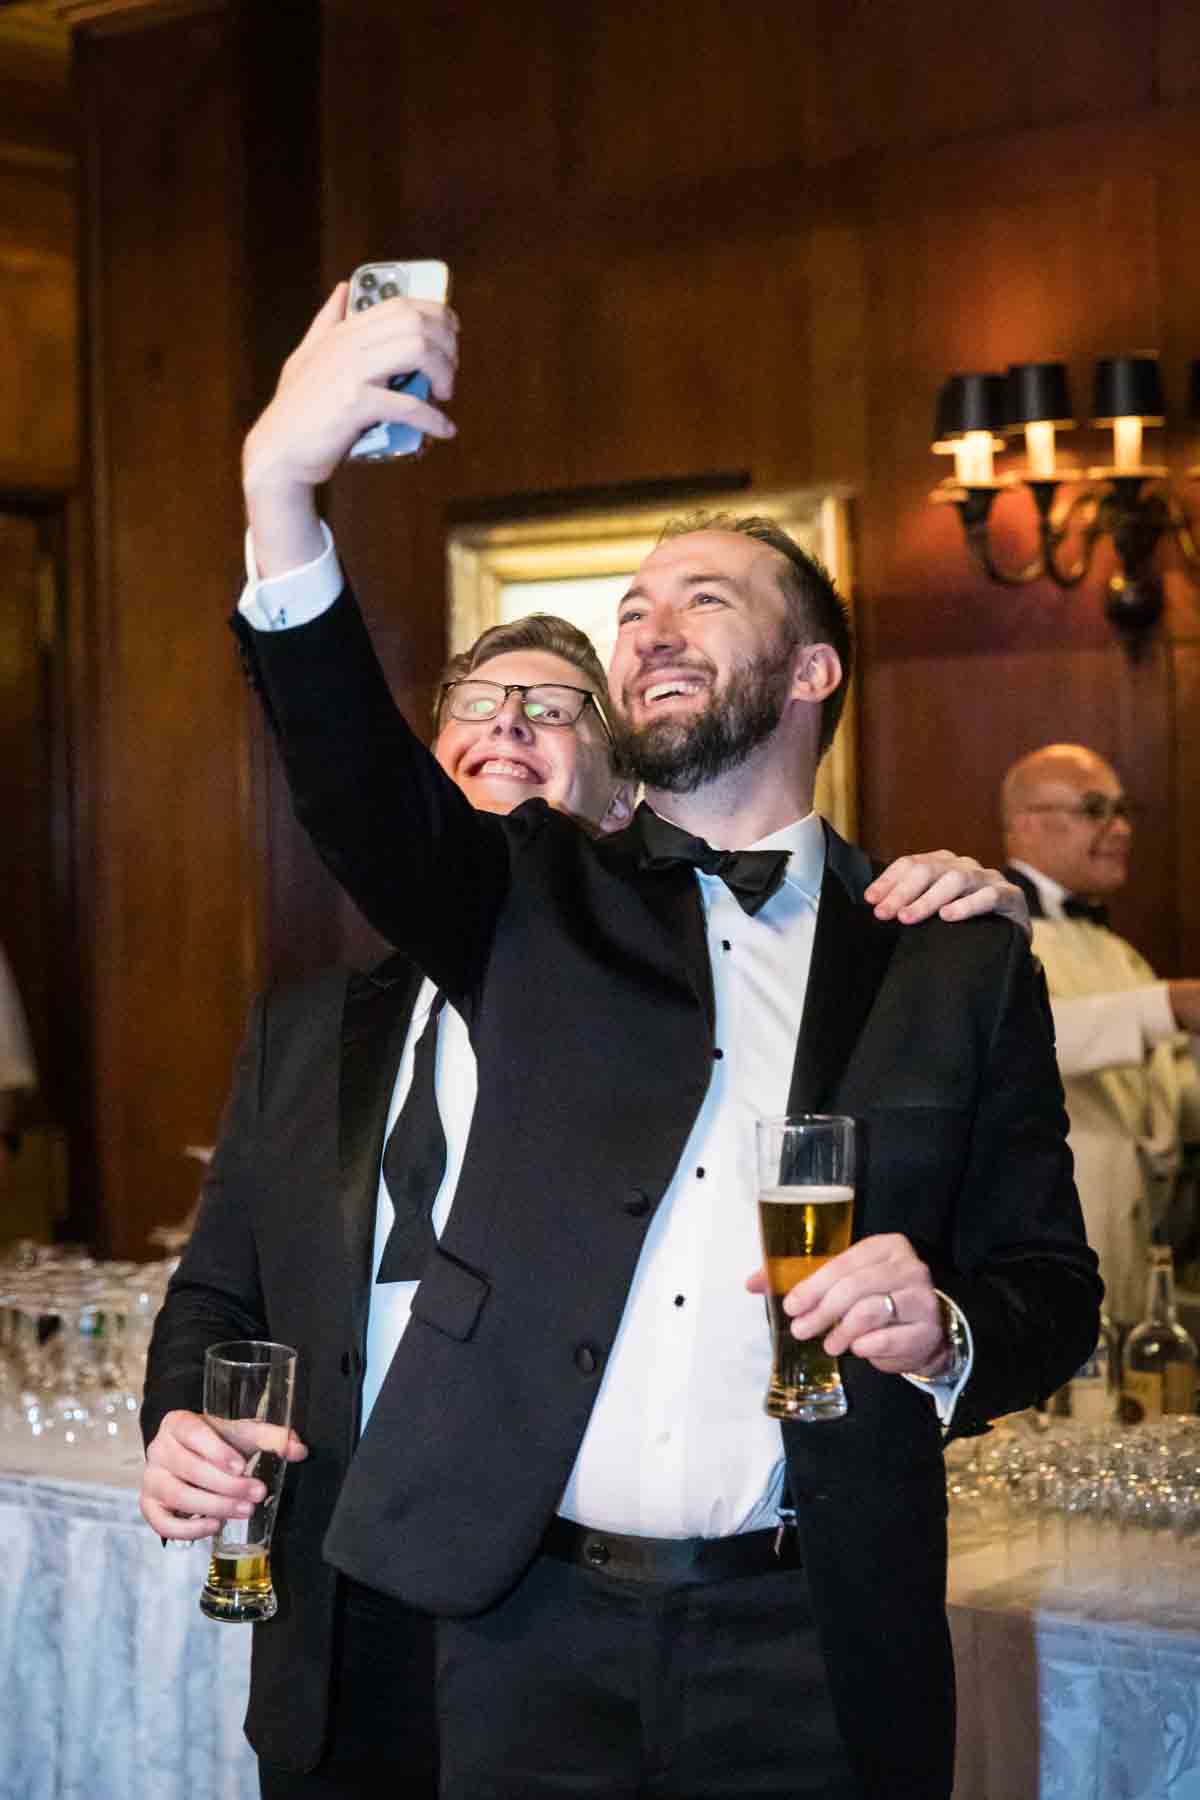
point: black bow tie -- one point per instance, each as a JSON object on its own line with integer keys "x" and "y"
{"x": 752, "y": 876}
{"x": 1076, "y": 907}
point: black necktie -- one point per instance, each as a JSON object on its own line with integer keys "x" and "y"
{"x": 1076, "y": 907}
{"x": 414, "y": 1162}
{"x": 752, "y": 876}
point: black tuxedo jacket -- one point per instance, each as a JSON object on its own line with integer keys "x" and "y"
{"x": 282, "y": 1250}
{"x": 587, "y": 989}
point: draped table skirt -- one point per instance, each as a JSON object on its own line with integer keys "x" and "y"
{"x": 1086, "y": 1691}
{"x": 113, "y": 1685}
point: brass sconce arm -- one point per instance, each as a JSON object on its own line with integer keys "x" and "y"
{"x": 1181, "y": 525}
{"x": 974, "y": 506}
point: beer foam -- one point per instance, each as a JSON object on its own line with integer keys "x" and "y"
{"x": 817, "y": 1195}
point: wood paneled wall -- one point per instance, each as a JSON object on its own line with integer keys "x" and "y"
{"x": 200, "y": 136}
{"x": 760, "y": 241}
{"x": 38, "y": 325}
{"x": 684, "y": 239}
{"x": 38, "y": 471}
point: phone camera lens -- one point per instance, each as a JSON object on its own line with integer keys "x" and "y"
{"x": 367, "y": 281}
{"x": 362, "y": 303}
{"x": 388, "y": 291}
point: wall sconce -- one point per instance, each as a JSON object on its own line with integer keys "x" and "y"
{"x": 975, "y": 416}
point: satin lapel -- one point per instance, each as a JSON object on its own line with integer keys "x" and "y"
{"x": 851, "y": 952}
{"x": 374, "y": 1024}
{"x": 672, "y": 896}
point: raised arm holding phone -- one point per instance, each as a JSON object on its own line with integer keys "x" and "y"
{"x": 566, "y": 1462}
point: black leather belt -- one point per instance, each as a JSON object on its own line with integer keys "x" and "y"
{"x": 672, "y": 1559}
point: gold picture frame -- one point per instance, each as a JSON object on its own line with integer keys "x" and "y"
{"x": 563, "y": 563}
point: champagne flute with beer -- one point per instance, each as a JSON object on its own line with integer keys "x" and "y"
{"x": 248, "y": 1389}
{"x": 806, "y": 1215}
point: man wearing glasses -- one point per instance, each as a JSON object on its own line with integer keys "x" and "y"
{"x": 331, "y": 1073}
{"x": 568, "y": 1462}
{"x": 1133, "y": 1090}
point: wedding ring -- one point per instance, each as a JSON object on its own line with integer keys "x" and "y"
{"x": 892, "y": 1310}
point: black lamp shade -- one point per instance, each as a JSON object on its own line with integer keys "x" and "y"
{"x": 969, "y": 403}
{"x": 1127, "y": 387}
{"x": 1194, "y": 391}
{"x": 1037, "y": 393}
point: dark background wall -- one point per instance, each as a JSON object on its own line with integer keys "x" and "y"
{"x": 39, "y": 663}
{"x": 684, "y": 239}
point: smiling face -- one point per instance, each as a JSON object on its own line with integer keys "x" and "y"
{"x": 501, "y": 761}
{"x": 703, "y": 666}
{"x": 1048, "y": 827}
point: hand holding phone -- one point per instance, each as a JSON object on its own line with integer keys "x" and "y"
{"x": 370, "y": 284}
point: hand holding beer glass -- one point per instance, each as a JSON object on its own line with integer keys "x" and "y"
{"x": 248, "y": 1388}
{"x": 806, "y": 1214}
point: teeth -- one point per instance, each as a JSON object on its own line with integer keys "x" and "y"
{"x": 498, "y": 765}
{"x": 662, "y": 688}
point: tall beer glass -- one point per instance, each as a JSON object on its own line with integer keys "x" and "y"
{"x": 248, "y": 1389}
{"x": 805, "y": 1212}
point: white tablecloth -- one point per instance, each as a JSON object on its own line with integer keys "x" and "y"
{"x": 113, "y": 1685}
{"x": 1072, "y": 1693}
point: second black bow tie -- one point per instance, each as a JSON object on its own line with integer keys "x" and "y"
{"x": 1076, "y": 907}
{"x": 752, "y": 876}
{"x": 414, "y": 1162}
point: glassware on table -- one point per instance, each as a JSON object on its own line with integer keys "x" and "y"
{"x": 805, "y": 1212}
{"x": 248, "y": 1389}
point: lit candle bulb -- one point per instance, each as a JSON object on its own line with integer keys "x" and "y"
{"x": 1127, "y": 444}
{"x": 973, "y": 459}
{"x": 1039, "y": 449}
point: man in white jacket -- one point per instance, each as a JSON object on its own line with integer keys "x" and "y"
{"x": 1130, "y": 1074}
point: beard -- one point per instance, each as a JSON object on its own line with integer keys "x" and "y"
{"x": 677, "y": 756}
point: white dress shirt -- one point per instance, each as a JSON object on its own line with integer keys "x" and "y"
{"x": 677, "y": 1444}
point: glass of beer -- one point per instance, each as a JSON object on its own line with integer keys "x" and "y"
{"x": 805, "y": 1213}
{"x": 248, "y": 1389}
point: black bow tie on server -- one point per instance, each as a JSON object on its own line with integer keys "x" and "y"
{"x": 752, "y": 876}
{"x": 414, "y": 1162}
{"x": 1076, "y": 907}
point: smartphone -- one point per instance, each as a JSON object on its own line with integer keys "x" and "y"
{"x": 369, "y": 284}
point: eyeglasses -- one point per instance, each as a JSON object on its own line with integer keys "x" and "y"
{"x": 1097, "y": 809}
{"x": 543, "y": 703}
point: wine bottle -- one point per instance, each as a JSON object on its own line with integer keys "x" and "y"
{"x": 1160, "y": 1356}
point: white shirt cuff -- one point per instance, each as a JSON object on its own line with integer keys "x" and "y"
{"x": 1113, "y": 1030}
{"x": 1158, "y": 1020}
{"x": 303, "y": 594}
{"x": 944, "y": 1390}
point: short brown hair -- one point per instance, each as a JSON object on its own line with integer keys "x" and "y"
{"x": 536, "y": 631}
{"x": 817, "y": 614}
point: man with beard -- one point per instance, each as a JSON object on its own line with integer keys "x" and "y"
{"x": 568, "y": 1462}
